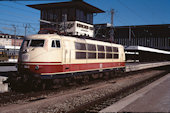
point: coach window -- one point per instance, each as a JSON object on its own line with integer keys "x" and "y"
{"x": 55, "y": 44}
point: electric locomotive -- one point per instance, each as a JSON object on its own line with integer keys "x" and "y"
{"x": 52, "y": 56}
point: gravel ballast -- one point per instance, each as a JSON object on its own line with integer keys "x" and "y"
{"x": 76, "y": 98}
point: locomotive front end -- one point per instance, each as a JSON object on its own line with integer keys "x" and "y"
{"x": 29, "y": 49}
{"x": 40, "y": 55}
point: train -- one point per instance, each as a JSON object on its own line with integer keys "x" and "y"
{"x": 50, "y": 56}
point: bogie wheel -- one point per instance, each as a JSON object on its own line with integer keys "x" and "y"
{"x": 14, "y": 81}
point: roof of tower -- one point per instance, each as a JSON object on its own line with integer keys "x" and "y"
{"x": 74, "y": 3}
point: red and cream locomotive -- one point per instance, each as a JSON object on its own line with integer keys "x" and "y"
{"x": 52, "y": 55}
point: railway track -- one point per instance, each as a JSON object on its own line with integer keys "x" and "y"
{"x": 13, "y": 96}
{"x": 90, "y": 106}
{"x": 106, "y": 101}
{"x": 101, "y": 104}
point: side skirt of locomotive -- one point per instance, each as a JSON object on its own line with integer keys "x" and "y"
{"x": 26, "y": 81}
{"x": 71, "y": 74}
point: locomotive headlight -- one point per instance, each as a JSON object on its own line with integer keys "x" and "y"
{"x": 36, "y": 67}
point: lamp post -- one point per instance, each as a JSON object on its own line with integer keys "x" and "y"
{"x": 112, "y": 31}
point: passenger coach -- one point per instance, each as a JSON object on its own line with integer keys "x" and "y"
{"x": 52, "y": 55}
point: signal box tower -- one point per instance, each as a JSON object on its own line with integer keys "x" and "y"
{"x": 74, "y": 17}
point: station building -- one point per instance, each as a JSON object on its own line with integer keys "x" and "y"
{"x": 10, "y": 45}
{"x": 10, "y": 40}
{"x": 153, "y": 36}
{"x": 142, "y": 43}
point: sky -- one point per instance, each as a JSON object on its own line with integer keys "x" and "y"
{"x": 15, "y": 14}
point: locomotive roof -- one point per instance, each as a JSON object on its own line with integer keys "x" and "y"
{"x": 53, "y": 36}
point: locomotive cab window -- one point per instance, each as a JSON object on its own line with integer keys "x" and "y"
{"x": 55, "y": 44}
{"x": 37, "y": 43}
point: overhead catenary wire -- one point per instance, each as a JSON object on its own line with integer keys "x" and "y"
{"x": 154, "y": 15}
{"x": 121, "y": 20}
{"x": 16, "y": 14}
{"x": 9, "y": 24}
{"x": 131, "y": 10}
{"x": 21, "y": 9}
{"x": 33, "y": 28}
{"x": 21, "y": 27}
{"x": 6, "y": 20}
{"x": 31, "y": 31}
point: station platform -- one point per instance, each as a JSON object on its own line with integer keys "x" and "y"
{"x": 145, "y": 54}
{"x": 8, "y": 63}
{"x": 152, "y": 98}
{"x": 3, "y": 87}
{"x": 146, "y": 65}
{"x": 7, "y": 69}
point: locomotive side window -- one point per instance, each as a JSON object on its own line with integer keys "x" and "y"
{"x": 116, "y": 56}
{"x": 109, "y": 56}
{"x": 80, "y": 46}
{"x": 55, "y": 44}
{"x": 100, "y": 48}
{"x": 37, "y": 43}
{"x": 101, "y": 55}
{"x": 91, "y": 55}
{"x": 115, "y": 49}
{"x": 108, "y": 49}
{"x": 91, "y": 47}
{"x": 80, "y": 55}
{"x": 109, "y": 52}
